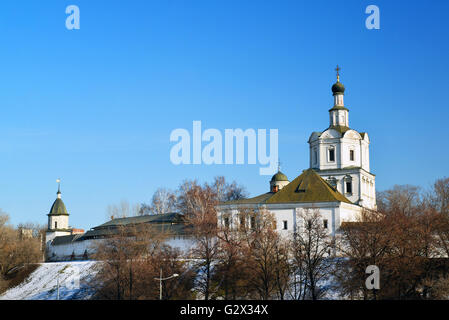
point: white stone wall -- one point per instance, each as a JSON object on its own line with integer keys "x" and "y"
{"x": 331, "y": 139}
{"x": 64, "y": 252}
{"x": 363, "y": 182}
{"x": 62, "y": 222}
{"x": 363, "y": 185}
{"x": 77, "y": 248}
{"x": 281, "y": 215}
{"x": 348, "y": 213}
{"x": 334, "y": 212}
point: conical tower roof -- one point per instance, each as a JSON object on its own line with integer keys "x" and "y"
{"x": 58, "y": 208}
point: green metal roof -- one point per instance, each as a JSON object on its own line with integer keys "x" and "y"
{"x": 308, "y": 187}
{"x": 66, "y": 239}
{"x": 58, "y": 208}
{"x": 279, "y": 177}
{"x": 176, "y": 229}
{"x": 172, "y": 224}
{"x": 172, "y": 217}
{"x": 169, "y": 223}
{"x": 256, "y": 200}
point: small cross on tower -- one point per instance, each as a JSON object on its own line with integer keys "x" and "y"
{"x": 338, "y": 72}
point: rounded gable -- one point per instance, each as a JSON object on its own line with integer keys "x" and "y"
{"x": 352, "y": 134}
{"x": 314, "y": 136}
{"x": 330, "y": 133}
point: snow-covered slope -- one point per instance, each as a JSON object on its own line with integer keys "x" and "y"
{"x": 74, "y": 282}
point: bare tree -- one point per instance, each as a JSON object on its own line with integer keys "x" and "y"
{"x": 228, "y": 191}
{"x": 405, "y": 241}
{"x": 122, "y": 210}
{"x": 283, "y": 270}
{"x": 163, "y": 201}
{"x": 231, "y": 273}
{"x": 313, "y": 246}
{"x": 17, "y": 249}
{"x": 122, "y": 254}
{"x": 440, "y": 196}
{"x": 262, "y": 242}
{"x": 401, "y": 198}
{"x": 363, "y": 243}
{"x": 170, "y": 261}
{"x": 198, "y": 204}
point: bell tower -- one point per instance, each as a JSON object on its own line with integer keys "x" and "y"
{"x": 340, "y": 155}
{"x": 338, "y": 115}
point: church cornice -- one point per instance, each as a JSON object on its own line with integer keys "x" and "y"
{"x": 342, "y": 170}
{"x": 336, "y": 108}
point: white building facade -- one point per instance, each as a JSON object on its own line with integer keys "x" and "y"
{"x": 341, "y": 155}
{"x": 338, "y": 183}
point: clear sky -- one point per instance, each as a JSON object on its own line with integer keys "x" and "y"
{"x": 96, "y": 106}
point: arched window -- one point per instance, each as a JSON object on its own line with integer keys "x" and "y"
{"x": 333, "y": 182}
{"x": 348, "y": 184}
{"x": 331, "y": 154}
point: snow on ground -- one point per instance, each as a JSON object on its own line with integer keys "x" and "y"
{"x": 42, "y": 284}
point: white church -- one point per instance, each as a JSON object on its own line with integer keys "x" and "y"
{"x": 338, "y": 183}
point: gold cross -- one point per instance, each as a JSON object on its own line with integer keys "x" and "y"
{"x": 338, "y": 74}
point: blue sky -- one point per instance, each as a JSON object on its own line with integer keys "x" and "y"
{"x": 96, "y": 106}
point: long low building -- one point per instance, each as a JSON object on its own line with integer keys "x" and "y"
{"x": 65, "y": 243}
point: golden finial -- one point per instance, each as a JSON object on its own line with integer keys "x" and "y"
{"x": 338, "y": 73}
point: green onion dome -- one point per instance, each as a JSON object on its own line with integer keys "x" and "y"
{"x": 338, "y": 88}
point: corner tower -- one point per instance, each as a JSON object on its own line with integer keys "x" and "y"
{"x": 58, "y": 218}
{"x": 341, "y": 155}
